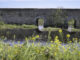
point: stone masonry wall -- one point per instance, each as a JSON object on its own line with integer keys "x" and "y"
{"x": 29, "y": 16}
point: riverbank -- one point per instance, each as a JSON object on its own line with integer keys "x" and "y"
{"x": 31, "y": 51}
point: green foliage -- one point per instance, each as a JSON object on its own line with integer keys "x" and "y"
{"x": 40, "y": 21}
{"x": 10, "y": 26}
{"x": 59, "y": 17}
{"x": 49, "y": 35}
{"x": 29, "y": 26}
{"x": 71, "y": 22}
{"x": 53, "y": 51}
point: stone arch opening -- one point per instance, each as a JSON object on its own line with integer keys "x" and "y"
{"x": 38, "y": 19}
{"x": 72, "y": 22}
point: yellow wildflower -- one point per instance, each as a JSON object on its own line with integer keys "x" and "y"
{"x": 51, "y": 41}
{"x": 68, "y": 35}
{"x": 52, "y": 45}
{"x": 57, "y": 41}
{"x": 56, "y": 37}
{"x": 75, "y": 39}
{"x": 60, "y": 30}
{"x": 70, "y": 41}
{"x": 33, "y": 38}
{"x": 32, "y": 44}
{"x": 37, "y": 36}
{"x": 64, "y": 49}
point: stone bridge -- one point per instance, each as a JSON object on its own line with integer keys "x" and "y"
{"x": 30, "y": 15}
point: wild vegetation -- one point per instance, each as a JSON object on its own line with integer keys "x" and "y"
{"x": 56, "y": 50}
{"x": 14, "y": 26}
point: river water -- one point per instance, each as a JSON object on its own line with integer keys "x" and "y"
{"x": 41, "y": 43}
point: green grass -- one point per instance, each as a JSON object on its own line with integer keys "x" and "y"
{"x": 14, "y": 26}
{"x": 51, "y": 29}
{"x": 73, "y": 30}
{"x": 10, "y": 26}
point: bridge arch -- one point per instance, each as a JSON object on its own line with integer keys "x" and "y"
{"x": 39, "y": 17}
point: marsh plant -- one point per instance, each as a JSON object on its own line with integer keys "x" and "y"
{"x": 53, "y": 51}
{"x": 49, "y": 35}
{"x": 61, "y": 35}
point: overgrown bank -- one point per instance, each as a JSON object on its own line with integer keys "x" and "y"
{"x": 53, "y": 51}
{"x": 14, "y": 26}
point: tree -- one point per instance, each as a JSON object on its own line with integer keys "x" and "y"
{"x": 59, "y": 17}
